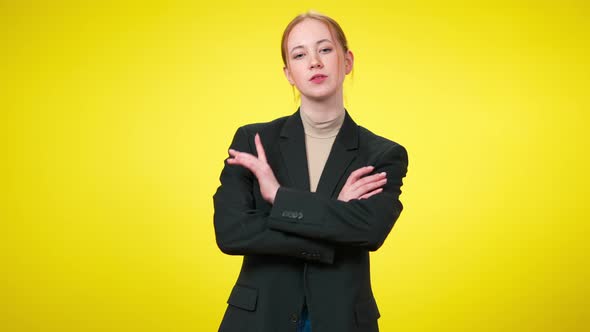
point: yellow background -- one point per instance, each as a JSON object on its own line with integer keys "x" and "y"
{"x": 116, "y": 118}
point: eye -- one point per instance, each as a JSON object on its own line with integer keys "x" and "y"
{"x": 326, "y": 50}
{"x": 298, "y": 56}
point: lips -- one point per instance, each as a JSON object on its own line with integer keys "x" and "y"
{"x": 318, "y": 78}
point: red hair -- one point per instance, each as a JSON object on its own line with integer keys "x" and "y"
{"x": 333, "y": 26}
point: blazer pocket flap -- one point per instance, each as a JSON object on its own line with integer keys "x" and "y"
{"x": 243, "y": 297}
{"x": 367, "y": 311}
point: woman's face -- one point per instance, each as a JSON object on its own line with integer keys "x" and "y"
{"x": 316, "y": 64}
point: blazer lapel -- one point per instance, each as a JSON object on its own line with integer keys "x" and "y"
{"x": 292, "y": 146}
{"x": 344, "y": 151}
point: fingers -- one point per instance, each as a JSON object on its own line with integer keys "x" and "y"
{"x": 363, "y": 188}
{"x": 244, "y": 159}
{"x": 369, "y": 187}
{"x": 259, "y": 148}
{"x": 256, "y": 165}
{"x": 375, "y": 178}
{"x": 259, "y": 167}
{"x": 374, "y": 192}
{"x": 358, "y": 173}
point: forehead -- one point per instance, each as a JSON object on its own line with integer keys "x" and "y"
{"x": 307, "y": 32}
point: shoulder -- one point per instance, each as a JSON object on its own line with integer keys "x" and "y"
{"x": 378, "y": 145}
{"x": 269, "y": 132}
{"x": 268, "y": 128}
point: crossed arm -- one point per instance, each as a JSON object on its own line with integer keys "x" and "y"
{"x": 366, "y": 208}
{"x": 356, "y": 187}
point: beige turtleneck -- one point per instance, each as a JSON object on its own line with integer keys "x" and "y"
{"x": 319, "y": 137}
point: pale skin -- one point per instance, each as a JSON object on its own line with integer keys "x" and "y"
{"x": 312, "y": 51}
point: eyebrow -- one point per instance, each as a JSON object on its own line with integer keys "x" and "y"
{"x": 318, "y": 42}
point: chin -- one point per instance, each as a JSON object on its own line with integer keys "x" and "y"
{"x": 316, "y": 95}
{"x": 319, "y": 97}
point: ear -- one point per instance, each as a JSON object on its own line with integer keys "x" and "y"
{"x": 348, "y": 61}
{"x": 288, "y": 75}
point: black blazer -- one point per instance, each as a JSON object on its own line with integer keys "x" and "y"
{"x": 307, "y": 247}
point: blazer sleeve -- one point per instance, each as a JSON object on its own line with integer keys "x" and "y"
{"x": 242, "y": 229}
{"x": 360, "y": 223}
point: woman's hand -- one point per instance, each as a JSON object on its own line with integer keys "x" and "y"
{"x": 359, "y": 187}
{"x": 259, "y": 166}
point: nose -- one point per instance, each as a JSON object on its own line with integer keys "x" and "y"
{"x": 315, "y": 62}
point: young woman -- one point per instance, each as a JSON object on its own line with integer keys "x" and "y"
{"x": 305, "y": 197}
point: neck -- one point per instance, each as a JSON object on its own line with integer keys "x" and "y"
{"x": 323, "y": 110}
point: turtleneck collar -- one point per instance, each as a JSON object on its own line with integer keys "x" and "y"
{"x": 322, "y": 129}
